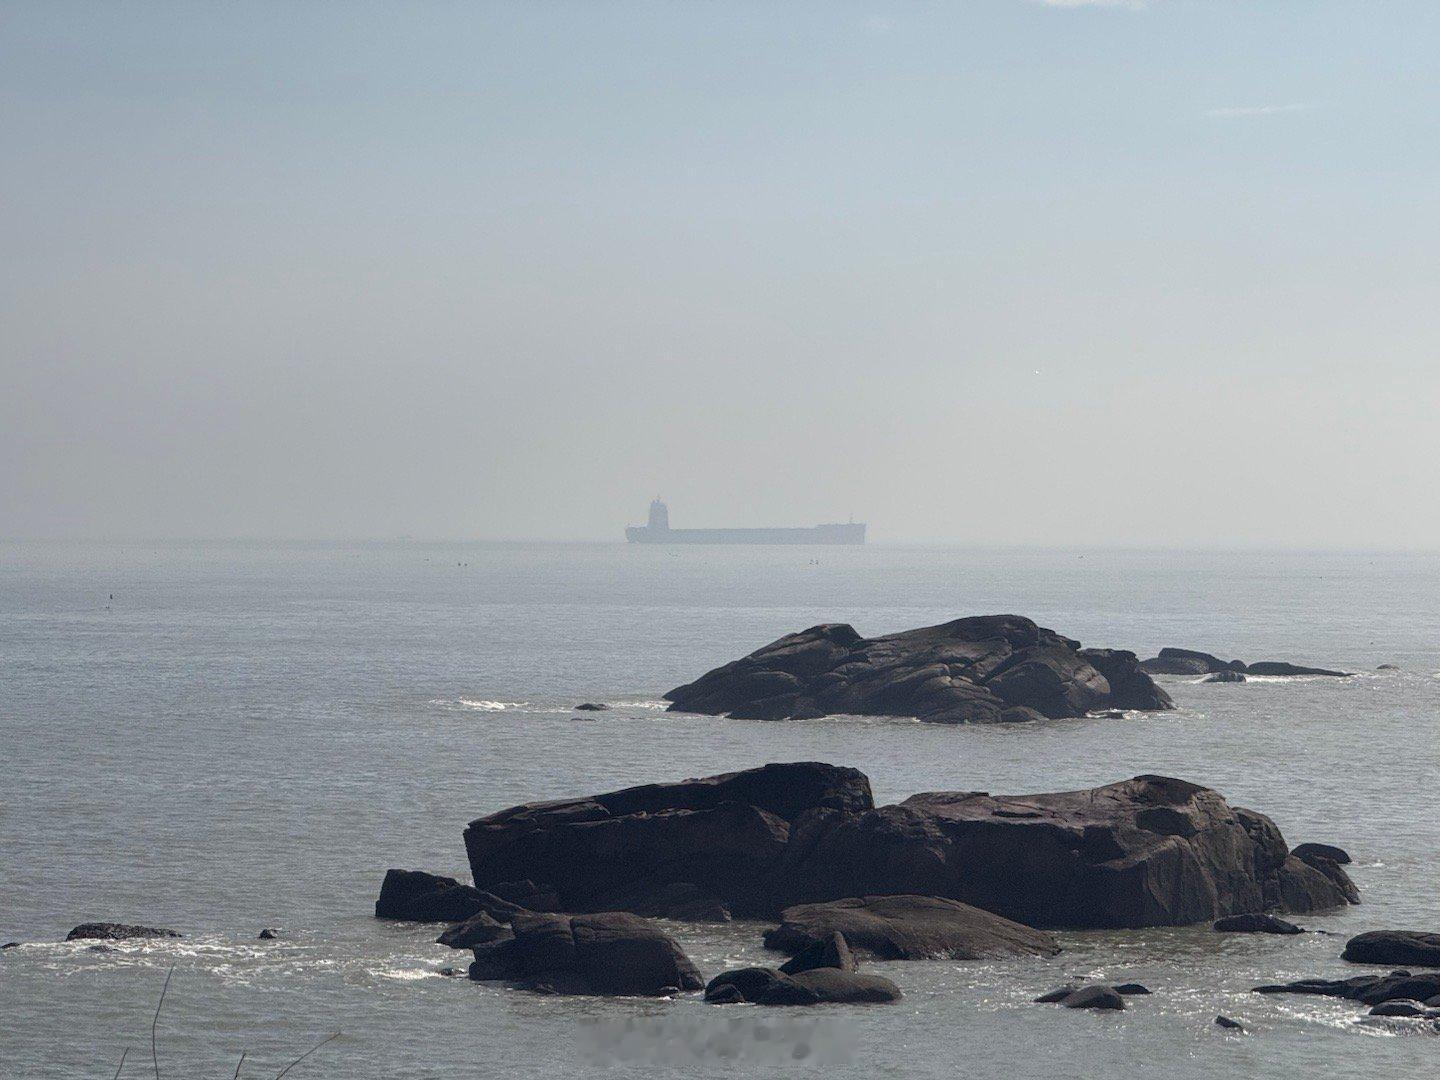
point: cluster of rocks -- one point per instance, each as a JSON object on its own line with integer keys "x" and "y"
{"x": 1192, "y": 662}
{"x": 562, "y": 888}
{"x": 984, "y": 669}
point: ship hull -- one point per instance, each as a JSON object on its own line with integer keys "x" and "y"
{"x": 818, "y": 534}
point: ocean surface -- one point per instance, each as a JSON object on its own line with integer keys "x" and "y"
{"x": 247, "y": 736}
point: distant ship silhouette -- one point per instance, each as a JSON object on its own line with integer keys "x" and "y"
{"x": 658, "y": 531}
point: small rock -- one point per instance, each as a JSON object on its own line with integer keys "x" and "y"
{"x": 1131, "y": 989}
{"x": 1226, "y": 1022}
{"x": 1094, "y": 997}
{"x": 1256, "y": 923}
{"x": 451, "y": 973}
{"x": 268, "y": 934}
{"x": 725, "y": 995}
{"x": 1109, "y": 714}
{"x": 1059, "y": 994}
{"x": 592, "y": 706}
{"x": 1388, "y": 667}
{"x": 1224, "y": 676}
{"x": 10, "y": 945}
{"x": 1394, "y": 947}
{"x": 831, "y": 986}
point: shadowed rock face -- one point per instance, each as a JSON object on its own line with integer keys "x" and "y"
{"x": 719, "y": 837}
{"x": 1394, "y": 947}
{"x": 608, "y": 953}
{"x": 1193, "y": 662}
{"x": 1151, "y": 851}
{"x": 973, "y": 670}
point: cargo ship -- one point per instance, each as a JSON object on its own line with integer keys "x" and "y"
{"x": 658, "y": 531}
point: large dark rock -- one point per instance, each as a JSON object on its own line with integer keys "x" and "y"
{"x": 606, "y": 953}
{"x": 111, "y": 931}
{"x": 1394, "y": 947}
{"x": 421, "y": 897}
{"x": 1279, "y": 667}
{"x": 968, "y": 670}
{"x": 1151, "y": 851}
{"x": 721, "y": 837}
{"x": 1256, "y": 923}
{"x": 743, "y": 984}
{"x": 1145, "y": 852}
{"x": 908, "y": 928}
{"x": 1094, "y": 997}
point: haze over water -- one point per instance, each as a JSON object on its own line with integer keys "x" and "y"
{"x": 249, "y": 735}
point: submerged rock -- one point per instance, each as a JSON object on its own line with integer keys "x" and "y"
{"x": 592, "y": 706}
{"x": 268, "y": 934}
{"x": 909, "y": 928}
{"x": 1400, "y": 1007}
{"x": 1225, "y": 676}
{"x": 1093, "y": 997}
{"x": 610, "y": 953}
{"x": 1192, "y": 662}
{"x": 970, "y": 670}
{"x": 1255, "y": 923}
{"x": 1226, "y": 1022}
{"x": 831, "y": 986}
{"x": 1394, "y": 947}
{"x": 109, "y": 931}
{"x": 1366, "y": 989}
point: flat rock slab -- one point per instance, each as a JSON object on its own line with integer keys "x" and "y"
{"x": 1366, "y": 989}
{"x": 1394, "y": 947}
{"x": 110, "y": 931}
{"x": 909, "y": 928}
{"x": 982, "y": 669}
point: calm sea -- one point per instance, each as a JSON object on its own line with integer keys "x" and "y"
{"x": 247, "y": 736}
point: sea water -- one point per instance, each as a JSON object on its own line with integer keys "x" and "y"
{"x": 220, "y": 738}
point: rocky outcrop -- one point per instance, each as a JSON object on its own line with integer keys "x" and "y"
{"x": 1225, "y": 676}
{"x": 1394, "y": 947}
{"x": 111, "y": 931}
{"x": 908, "y": 928}
{"x": 1150, "y": 851}
{"x": 828, "y": 950}
{"x": 974, "y": 670}
{"x": 1192, "y": 662}
{"x": 609, "y": 953}
{"x": 720, "y": 837}
{"x": 1256, "y": 923}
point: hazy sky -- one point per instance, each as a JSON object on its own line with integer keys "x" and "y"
{"x": 980, "y": 271}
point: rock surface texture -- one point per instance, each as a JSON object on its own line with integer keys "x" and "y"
{"x": 984, "y": 669}
{"x": 1394, "y": 947}
{"x": 110, "y": 931}
{"x": 1151, "y": 851}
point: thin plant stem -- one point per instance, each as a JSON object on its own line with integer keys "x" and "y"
{"x": 302, "y": 1057}
{"x": 154, "y": 1052}
{"x": 118, "y": 1071}
{"x": 238, "y": 1064}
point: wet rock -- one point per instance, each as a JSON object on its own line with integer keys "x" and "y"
{"x": 1256, "y": 923}
{"x": 10, "y": 945}
{"x": 1226, "y": 1022}
{"x": 1225, "y": 676}
{"x": 1388, "y": 667}
{"x": 1366, "y": 989}
{"x": 592, "y": 706}
{"x": 908, "y": 928}
{"x": 610, "y": 953}
{"x": 268, "y": 934}
{"x": 1399, "y": 1007}
{"x": 1131, "y": 989}
{"x": 1059, "y": 994}
{"x": 1276, "y": 667}
{"x": 108, "y": 931}
{"x": 1310, "y": 853}
{"x": 1394, "y": 947}
{"x": 831, "y": 986}
{"x": 969, "y": 670}
{"x": 719, "y": 837}
{"x": 749, "y": 984}
{"x": 1093, "y": 997}
{"x": 829, "y": 951}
